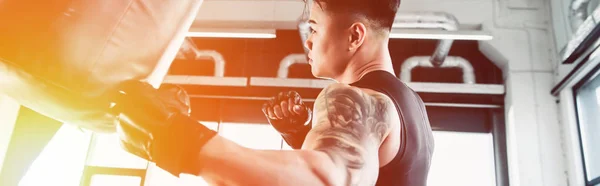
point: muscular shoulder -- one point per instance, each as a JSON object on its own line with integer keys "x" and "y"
{"x": 349, "y": 125}
{"x": 360, "y": 95}
{"x": 341, "y": 104}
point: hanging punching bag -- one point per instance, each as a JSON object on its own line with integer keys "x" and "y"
{"x": 61, "y": 58}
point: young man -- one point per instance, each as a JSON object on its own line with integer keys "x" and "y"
{"x": 367, "y": 129}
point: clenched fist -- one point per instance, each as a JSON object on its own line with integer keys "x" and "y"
{"x": 289, "y": 116}
{"x": 155, "y": 125}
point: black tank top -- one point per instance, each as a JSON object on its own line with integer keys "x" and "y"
{"x": 411, "y": 165}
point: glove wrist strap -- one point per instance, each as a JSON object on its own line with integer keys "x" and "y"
{"x": 295, "y": 136}
{"x": 177, "y": 149}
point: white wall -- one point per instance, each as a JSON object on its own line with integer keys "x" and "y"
{"x": 524, "y": 47}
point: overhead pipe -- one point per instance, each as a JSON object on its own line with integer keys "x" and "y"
{"x": 430, "y": 20}
{"x": 578, "y": 12}
{"x": 450, "y": 62}
{"x": 288, "y": 61}
{"x": 216, "y": 57}
{"x": 584, "y": 36}
{"x": 190, "y": 51}
{"x": 187, "y": 50}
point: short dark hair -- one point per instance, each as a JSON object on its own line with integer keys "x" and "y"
{"x": 379, "y": 13}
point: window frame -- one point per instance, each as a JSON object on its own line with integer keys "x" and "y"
{"x": 590, "y": 76}
{"x": 91, "y": 171}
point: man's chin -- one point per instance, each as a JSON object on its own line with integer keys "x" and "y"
{"x": 319, "y": 75}
{"x": 314, "y": 71}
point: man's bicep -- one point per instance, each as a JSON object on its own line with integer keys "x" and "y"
{"x": 349, "y": 126}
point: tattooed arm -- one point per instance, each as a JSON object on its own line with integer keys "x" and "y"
{"x": 349, "y": 126}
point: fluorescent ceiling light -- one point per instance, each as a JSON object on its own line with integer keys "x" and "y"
{"x": 232, "y": 33}
{"x": 398, "y": 33}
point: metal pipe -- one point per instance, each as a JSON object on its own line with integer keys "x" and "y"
{"x": 217, "y": 59}
{"x": 578, "y": 13}
{"x": 450, "y": 62}
{"x": 431, "y": 20}
{"x": 189, "y": 50}
{"x": 288, "y": 61}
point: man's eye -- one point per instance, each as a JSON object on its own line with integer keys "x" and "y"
{"x": 312, "y": 30}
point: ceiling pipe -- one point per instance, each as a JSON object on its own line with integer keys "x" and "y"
{"x": 430, "y": 20}
{"x": 216, "y": 57}
{"x": 584, "y": 35}
{"x": 578, "y": 12}
{"x": 288, "y": 61}
{"x": 190, "y": 51}
{"x": 450, "y": 62}
{"x": 187, "y": 49}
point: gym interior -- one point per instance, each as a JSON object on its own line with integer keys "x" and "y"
{"x": 515, "y": 100}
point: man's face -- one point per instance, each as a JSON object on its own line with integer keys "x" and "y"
{"x": 328, "y": 43}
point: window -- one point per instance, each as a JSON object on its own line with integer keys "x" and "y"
{"x": 471, "y": 153}
{"x": 62, "y": 160}
{"x": 74, "y": 156}
{"x": 462, "y": 158}
{"x": 103, "y": 180}
{"x": 256, "y": 136}
{"x": 587, "y": 97}
{"x": 106, "y": 151}
{"x": 107, "y": 163}
{"x": 9, "y": 110}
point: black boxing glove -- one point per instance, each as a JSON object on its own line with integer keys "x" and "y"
{"x": 290, "y": 117}
{"x": 156, "y": 126}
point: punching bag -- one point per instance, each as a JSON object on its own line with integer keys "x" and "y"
{"x": 62, "y": 58}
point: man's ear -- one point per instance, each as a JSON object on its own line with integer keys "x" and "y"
{"x": 358, "y": 33}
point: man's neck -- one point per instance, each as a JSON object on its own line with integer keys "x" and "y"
{"x": 369, "y": 61}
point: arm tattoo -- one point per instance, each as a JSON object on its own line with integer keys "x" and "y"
{"x": 350, "y": 127}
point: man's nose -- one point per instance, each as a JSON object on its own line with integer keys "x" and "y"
{"x": 308, "y": 43}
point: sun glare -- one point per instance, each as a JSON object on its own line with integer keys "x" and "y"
{"x": 62, "y": 160}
